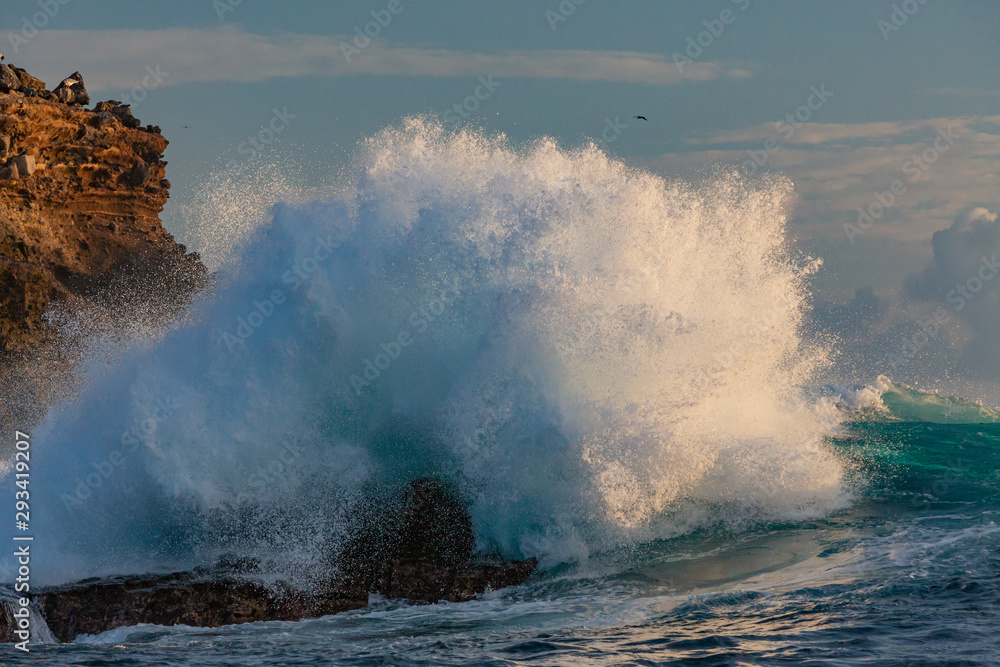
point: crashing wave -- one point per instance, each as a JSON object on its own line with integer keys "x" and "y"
{"x": 592, "y": 354}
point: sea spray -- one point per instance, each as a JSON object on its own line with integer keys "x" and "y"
{"x": 624, "y": 363}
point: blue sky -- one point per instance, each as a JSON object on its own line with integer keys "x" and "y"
{"x": 896, "y": 87}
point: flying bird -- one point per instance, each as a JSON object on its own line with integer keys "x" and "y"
{"x": 640, "y": 118}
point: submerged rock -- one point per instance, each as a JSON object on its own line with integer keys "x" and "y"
{"x": 417, "y": 547}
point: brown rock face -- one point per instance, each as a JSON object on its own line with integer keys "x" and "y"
{"x": 418, "y": 547}
{"x": 28, "y": 81}
{"x": 8, "y": 79}
{"x": 80, "y": 197}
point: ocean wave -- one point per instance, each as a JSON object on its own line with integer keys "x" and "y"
{"x": 592, "y": 354}
{"x": 896, "y": 401}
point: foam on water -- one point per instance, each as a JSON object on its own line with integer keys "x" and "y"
{"x": 592, "y": 354}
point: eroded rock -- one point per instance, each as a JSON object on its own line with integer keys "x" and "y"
{"x": 418, "y": 547}
{"x": 122, "y": 112}
{"x": 9, "y": 80}
{"x": 72, "y": 90}
{"x": 25, "y": 165}
{"x": 29, "y": 82}
{"x": 81, "y": 234}
{"x": 99, "y": 171}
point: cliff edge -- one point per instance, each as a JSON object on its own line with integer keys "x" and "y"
{"x": 80, "y": 196}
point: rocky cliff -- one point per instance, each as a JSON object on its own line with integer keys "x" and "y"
{"x": 80, "y": 196}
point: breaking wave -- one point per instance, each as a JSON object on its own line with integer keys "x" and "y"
{"x": 593, "y": 355}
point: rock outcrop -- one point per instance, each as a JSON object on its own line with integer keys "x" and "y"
{"x": 80, "y": 196}
{"x": 72, "y": 90}
{"x": 9, "y": 81}
{"x": 417, "y": 547}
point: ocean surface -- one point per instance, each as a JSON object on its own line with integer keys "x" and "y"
{"x": 613, "y": 370}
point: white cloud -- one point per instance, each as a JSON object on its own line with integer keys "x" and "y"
{"x": 961, "y": 92}
{"x": 116, "y": 59}
{"x": 838, "y": 168}
{"x": 822, "y": 133}
{"x": 961, "y": 280}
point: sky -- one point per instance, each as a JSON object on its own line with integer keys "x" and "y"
{"x": 885, "y": 116}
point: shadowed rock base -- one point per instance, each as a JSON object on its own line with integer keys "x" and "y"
{"x": 417, "y": 547}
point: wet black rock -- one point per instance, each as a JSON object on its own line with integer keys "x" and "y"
{"x": 417, "y": 546}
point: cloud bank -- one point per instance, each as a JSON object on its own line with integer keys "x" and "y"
{"x": 838, "y": 168}
{"x": 229, "y": 54}
{"x": 964, "y": 275}
{"x": 941, "y": 327}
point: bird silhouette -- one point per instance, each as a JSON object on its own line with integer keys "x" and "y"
{"x": 640, "y": 118}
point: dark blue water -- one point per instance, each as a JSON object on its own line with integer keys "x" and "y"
{"x": 909, "y": 575}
